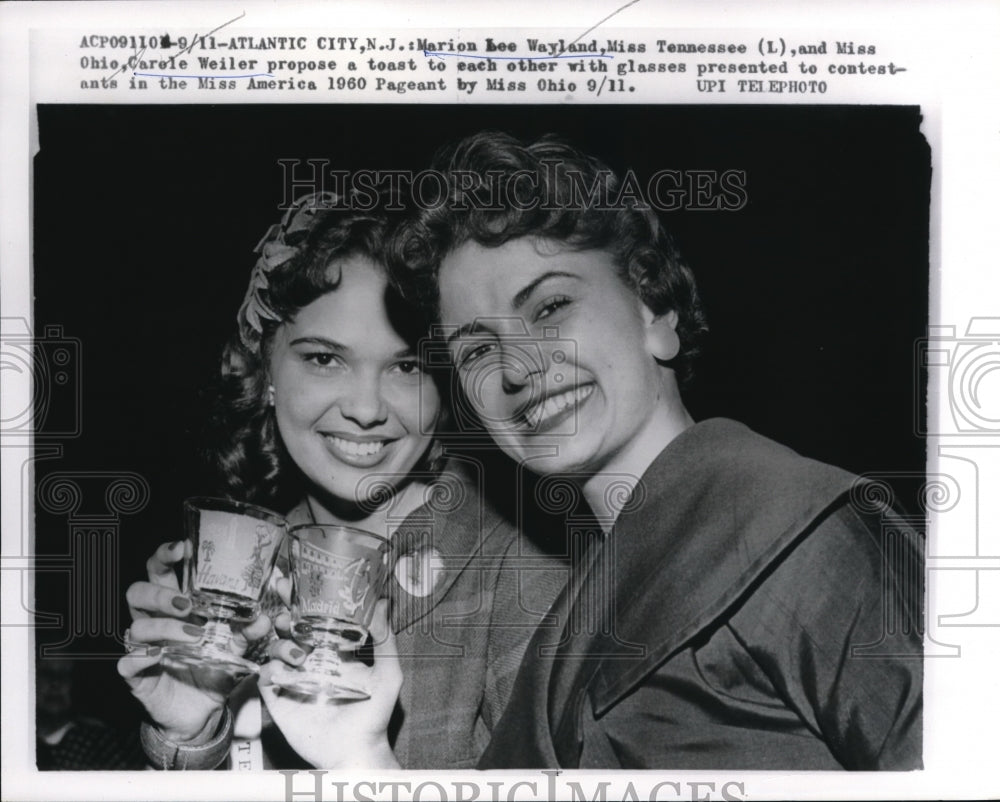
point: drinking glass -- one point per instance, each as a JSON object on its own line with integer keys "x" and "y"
{"x": 338, "y": 574}
{"x": 228, "y": 558}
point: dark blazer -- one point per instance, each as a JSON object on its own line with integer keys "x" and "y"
{"x": 733, "y": 618}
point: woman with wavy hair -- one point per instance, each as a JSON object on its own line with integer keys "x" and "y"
{"x": 738, "y": 608}
{"x": 326, "y": 406}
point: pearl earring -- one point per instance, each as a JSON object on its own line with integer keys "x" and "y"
{"x": 270, "y": 395}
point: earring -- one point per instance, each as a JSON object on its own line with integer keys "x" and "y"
{"x": 270, "y": 395}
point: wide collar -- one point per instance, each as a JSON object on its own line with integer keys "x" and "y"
{"x": 717, "y": 507}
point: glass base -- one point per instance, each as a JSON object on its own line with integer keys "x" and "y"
{"x": 198, "y": 656}
{"x": 319, "y": 683}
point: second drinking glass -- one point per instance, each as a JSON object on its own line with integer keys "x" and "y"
{"x": 338, "y": 573}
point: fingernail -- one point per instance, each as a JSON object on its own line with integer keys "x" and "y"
{"x": 191, "y": 629}
{"x": 296, "y": 653}
{"x": 154, "y": 651}
{"x": 174, "y": 545}
{"x": 181, "y": 602}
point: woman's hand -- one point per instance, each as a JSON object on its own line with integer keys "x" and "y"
{"x": 185, "y": 703}
{"x": 336, "y": 734}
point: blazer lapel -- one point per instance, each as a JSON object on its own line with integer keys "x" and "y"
{"x": 437, "y": 542}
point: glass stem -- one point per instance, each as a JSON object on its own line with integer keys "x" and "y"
{"x": 324, "y": 658}
{"x": 217, "y": 636}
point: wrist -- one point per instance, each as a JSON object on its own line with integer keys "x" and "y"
{"x": 187, "y": 737}
{"x": 166, "y": 754}
{"x": 372, "y": 754}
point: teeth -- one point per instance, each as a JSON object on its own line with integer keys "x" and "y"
{"x": 555, "y": 404}
{"x": 355, "y": 449}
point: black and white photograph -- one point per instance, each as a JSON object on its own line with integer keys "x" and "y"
{"x": 786, "y": 250}
{"x": 548, "y": 440}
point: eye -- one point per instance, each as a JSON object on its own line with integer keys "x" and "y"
{"x": 551, "y": 305}
{"x": 408, "y": 367}
{"x": 322, "y": 359}
{"x": 471, "y": 353}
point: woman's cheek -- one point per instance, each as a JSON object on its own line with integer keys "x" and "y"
{"x": 429, "y": 405}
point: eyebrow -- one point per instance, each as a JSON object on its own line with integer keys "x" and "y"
{"x": 463, "y": 331}
{"x": 325, "y": 342}
{"x": 525, "y": 293}
{"x": 520, "y": 298}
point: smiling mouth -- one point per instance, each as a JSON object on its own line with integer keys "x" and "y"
{"x": 356, "y": 449}
{"x": 546, "y": 410}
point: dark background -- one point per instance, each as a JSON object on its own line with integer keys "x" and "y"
{"x": 145, "y": 219}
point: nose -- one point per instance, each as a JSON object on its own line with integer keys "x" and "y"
{"x": 520, "y": 361}
{"x": 363, "y": 402}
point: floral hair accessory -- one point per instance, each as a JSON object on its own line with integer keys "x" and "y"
{"x": 280, "y": 244}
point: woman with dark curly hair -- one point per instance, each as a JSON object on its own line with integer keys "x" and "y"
{"x": 325, "y": 401}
